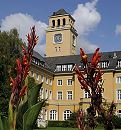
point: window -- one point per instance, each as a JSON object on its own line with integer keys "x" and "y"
{"x": 50, "y": 81}
{"x": 58, "y": 68}
{"x": 37, "y": 76}
{"x": 53, "y": 115}
{"x": 86, "y": 94}
{"x": 41, "y": 93}
{"x": 74, "y": 41}
{"x": 32, "y": 73}
{"x": 50, "y": 94}
{"x": 119, "y": 63}
{"x": 53, "y": 23}
{"x": 70, "y": 67}
{"x": 46, "y": 80}
{"x": 46, "y": 93}
{"x": 118, "y": 80}
{"x": 104, "y": 64}
{"x": 69, "y": 82}
{"x": 119, "y": 94}
{"x": 64, "y": 67}
{"x": 69, "y": 95}
{"x": 58, "y": 22}
{"x": 67, "y": 114}
{"x": 119, "y": 113}
{"x": 59, "y": 82}
{"x": 42, "y": 78}
{"x": 59, "y": 95}
{"x": 64, "y": 21}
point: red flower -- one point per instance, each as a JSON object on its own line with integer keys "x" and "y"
{"x": 19, "y": 66}
{"x": 83, "y": 56}
{"x": 95, "y": 59}
{"x": 22, "y": 91}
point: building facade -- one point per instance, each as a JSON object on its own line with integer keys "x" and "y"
{"x": 56, "y": 71}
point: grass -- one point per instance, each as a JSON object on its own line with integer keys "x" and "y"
{"x": 61, "y": 128}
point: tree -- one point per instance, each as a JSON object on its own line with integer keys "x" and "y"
{"x": 9, "y": 51}
{"x": 91, "y": 81}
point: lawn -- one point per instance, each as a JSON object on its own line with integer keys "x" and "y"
{"x": 60, "y": 128}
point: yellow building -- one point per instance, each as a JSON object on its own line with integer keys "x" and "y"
{"x": 62, "y": 87}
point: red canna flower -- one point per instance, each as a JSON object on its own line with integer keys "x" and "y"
{"x": 25, "y": 60}
{"x": 83, "y": 56}
{"x": 22, "y": 91}
{"x": 95, "y": 59}
{"x": 19, "y": 66}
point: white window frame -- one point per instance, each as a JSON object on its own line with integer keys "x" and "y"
{"x": 51, "y": 82}
{"x": 118, "y": 94}
{"x": 42, "y": 78}
{"x": 65, "y": 113}
{"x": 64, "y": 68}
{"x": 60, "y": 95}
{"x": 37, "y": 76}
{"x": 118, "y": 79}
{"x": 54, "y": 115}
{"x": 68, "y": 82}
{"x": 69, "y": 67}
{"x": 42, "y": 93}
{"x": 58, "y": 68}
{"x": 86, "y": 94}
{"x": 46, "y": 80}
{"x": 119, "y": 113}
{"x": 69, "y": 95}
{"x": 58, "y": 82}
{"x": 119, "y": 63}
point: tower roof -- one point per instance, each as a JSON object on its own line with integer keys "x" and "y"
{"x": 62, "y": 12}
{"x": 59, "y": 12}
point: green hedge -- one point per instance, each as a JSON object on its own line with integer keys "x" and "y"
{"x": 67, "y": 123}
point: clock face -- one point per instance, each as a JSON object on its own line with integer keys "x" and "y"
{"x": 58, "y": 38}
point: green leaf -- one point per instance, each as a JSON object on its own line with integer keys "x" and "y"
{"x": 21, "y": 110}
{"x": 33, "y": 95}
{"x": 3, "y": 123}
{"x": 31, "y": 115}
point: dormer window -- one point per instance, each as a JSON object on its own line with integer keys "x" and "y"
{"x": 66, "y": 67}
{"x": 104, "y": 64}
{"x": 119, "y": 63}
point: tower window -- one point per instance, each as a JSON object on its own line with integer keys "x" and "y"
{"x": 64, "y": 21}
{"x": 58, "y": 22}
{"x": 53, "y": 23}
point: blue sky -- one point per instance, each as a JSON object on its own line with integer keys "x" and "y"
{"x": 98, "y": 22}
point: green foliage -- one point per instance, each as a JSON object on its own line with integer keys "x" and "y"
{"x": 29, "y": 109}
{"x": 67, "y": 123}
{"x": 3, "y": 123}
{"x": 9, "y": 51}
{"x": 117, "y": 122}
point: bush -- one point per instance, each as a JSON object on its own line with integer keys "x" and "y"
{"x": 117, "y": 122}
{"x": 67, "y": 123}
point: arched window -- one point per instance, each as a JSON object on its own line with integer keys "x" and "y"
{"x": 67, "y": 114}
{"x": 58, "y": 22}
{"x": 53, "y": 115}
{"x": 119, "y": 113}
{"x": 64, "y": 21}
{"x": 53, "y": 23}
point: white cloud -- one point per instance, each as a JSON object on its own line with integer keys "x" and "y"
{"x": 86, "y": 19}
{"x": 118, "y": 29}
{"x": 23, "y": 22}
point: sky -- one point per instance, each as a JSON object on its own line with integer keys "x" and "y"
{"x": 98, "y": 22}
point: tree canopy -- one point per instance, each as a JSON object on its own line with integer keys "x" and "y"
{"x": 9, "y": 50}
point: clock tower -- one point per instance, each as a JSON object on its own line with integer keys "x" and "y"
{"x": 61, "y": 35}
